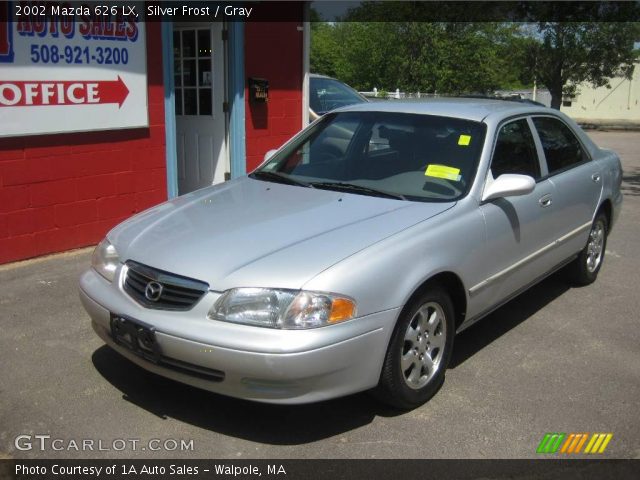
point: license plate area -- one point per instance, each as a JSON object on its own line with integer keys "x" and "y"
{"x": 135, "y": 336}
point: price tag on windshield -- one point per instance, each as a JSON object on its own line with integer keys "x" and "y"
{"x": 442, "y": 171}
{"x": 464, "y": 140}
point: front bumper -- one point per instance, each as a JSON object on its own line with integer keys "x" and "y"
{"x": 261, "y": 364}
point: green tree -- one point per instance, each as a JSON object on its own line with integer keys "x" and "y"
{"x": 565, "y": 54}
{"x": 380, "y": 44}
{"x": 443, "y": 57}
{"x": 324, "y": 53}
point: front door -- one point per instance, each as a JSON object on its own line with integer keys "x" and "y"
{"x": 199, "y": 95}
{"x": 519, "y": 228}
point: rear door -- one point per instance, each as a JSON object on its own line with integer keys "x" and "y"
{"x": 577, "y": 180}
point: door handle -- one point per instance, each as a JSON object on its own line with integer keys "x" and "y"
{"x": 596, "y": 177}
{"x": 545, "y": 200}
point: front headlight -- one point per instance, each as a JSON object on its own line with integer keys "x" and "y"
{"x": 287, "y": 309}
{"x": 105, "y": 260}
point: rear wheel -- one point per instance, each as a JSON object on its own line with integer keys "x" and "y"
{"x": 419, "y": 351}
{"x": 584, "y": 269}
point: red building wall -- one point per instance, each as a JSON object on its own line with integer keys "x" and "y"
{"x": 273, "y": 50}
{"x": 59, "y": 192}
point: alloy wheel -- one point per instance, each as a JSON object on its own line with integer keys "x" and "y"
{"x": 423, "y": 347}
{"x": 595, "y": 249}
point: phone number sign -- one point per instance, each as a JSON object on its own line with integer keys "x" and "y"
{"x": 71, "y": 67}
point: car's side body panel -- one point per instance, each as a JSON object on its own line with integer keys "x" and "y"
{"x": 611, "y": 169}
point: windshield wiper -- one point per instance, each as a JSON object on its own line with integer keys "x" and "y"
{"x": 353, "y": 188}
{"x": 278, "y": 178}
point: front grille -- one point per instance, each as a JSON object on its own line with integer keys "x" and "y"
{"x": 177, "y": 292}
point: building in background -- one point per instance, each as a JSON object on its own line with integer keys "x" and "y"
{"x": 103, "y": 117}
{"x": 615, "y": 107}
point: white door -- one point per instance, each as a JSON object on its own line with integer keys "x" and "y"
{"x": 199, "y": 93}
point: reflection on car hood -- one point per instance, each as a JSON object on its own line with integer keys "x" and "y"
{"x": 254, "y": 233}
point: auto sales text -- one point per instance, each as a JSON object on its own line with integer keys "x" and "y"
{"x": 97, "y": 470}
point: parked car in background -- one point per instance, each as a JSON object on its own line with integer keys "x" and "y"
{"x": 326, "y": 94}
{"x": 352, "y": 256}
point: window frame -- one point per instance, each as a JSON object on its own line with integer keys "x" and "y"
{"x": 587, "y": 155}
{"x": 196, "y": 58}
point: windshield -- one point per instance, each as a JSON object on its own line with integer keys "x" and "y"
{"x": 326, "y": 94}
{"x": 396, "y": 155}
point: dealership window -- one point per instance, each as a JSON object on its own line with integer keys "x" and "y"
{"x": 193, "y": 55}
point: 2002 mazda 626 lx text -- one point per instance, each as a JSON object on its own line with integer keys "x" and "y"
{"x": 351, "y": 257}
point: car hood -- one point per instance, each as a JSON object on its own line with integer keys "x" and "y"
{"x": 248, "y": 232}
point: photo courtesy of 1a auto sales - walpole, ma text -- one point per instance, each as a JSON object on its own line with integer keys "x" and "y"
{"x": 319, "y": 239}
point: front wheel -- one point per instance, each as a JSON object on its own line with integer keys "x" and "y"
{"x": 419, "y": 351}
{"x": 584, "y": 269}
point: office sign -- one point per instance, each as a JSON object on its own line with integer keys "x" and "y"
{"x": 71, "y": 67}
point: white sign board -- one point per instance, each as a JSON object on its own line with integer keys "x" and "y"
{"x": 71, "y": 67}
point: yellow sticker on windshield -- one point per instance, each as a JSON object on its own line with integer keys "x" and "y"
{"x": 442, "y": 171}
{"x": 464, "y": 140}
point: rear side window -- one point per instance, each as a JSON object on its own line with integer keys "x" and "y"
{"x": 515, "y": 151}
{"x": 326, "y": 94}
{"x": 561, "y": 147}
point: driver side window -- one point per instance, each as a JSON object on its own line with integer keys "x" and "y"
{"x": 515, "y": 151}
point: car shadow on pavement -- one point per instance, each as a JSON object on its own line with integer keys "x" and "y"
{"x": 507, "y": 317}
{"x": 271, "y": 424}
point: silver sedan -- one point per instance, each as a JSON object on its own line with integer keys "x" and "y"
{"x": 352, "y": 256}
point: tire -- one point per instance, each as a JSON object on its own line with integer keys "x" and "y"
{"x": 419, "y": 351}
{"x": 584, "y": 269}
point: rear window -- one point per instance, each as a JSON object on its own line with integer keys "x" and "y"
{"x": 561, "y": 147}
{"x": 326, "y": 94}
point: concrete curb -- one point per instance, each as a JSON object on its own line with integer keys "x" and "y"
{"x": 609, "y": 126}
{"x": 31, "y": 261}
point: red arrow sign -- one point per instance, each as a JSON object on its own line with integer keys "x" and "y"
{"x": 50, "y": 92}
{"x": 113, "y": 92}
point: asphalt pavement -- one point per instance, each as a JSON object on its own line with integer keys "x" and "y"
{"x": 555, "y": 359}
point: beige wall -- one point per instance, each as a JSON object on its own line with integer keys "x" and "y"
{"x": 618, "y": 104}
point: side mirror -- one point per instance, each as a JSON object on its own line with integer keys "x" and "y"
{"x": 508, "y": 185}
{"x": 269, "y": 154}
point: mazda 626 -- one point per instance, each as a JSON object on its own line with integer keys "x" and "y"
{"x": 352, "y": 256}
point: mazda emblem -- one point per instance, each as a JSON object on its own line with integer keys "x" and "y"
{"x": 153, "y": 291}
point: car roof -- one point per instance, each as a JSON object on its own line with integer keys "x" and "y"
{"x": 475, "y": 109}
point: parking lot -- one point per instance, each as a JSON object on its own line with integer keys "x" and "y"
{"x": 555, "y": 359}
